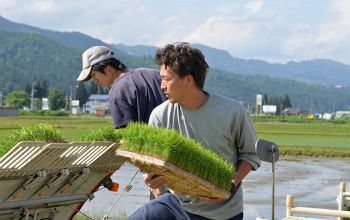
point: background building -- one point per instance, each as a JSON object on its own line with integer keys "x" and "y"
{"x": 96, "y": 102}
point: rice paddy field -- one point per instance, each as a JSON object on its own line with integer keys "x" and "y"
{"x": 294, "y": 136}
{"x": 311, "y": 137}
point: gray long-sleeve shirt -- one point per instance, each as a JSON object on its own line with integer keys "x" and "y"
{"x": 222, "y": 125}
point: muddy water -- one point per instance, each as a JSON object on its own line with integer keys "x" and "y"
{"x": 314, "y": 182}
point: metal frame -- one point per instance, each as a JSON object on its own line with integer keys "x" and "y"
{"x": 53, "y": 180}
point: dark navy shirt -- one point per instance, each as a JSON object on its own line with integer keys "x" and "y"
{"x": 134, "y": 95}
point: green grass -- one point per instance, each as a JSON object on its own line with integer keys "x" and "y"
{"x": 312, "y": 137}
{"x": 308, "y": 140}
{"x": 107, "y": 133}
{"x": 322, "y": 129}
{"x": 287, "y": 132}
{"x": 71, "y": 127}
{"x": 33, "y": 132}
{"x": 306, "y": 134}
{"x": 186, "y": 153}
{"x": 45, "y": 132}
{"x": 163, "y": 143}
{"x": 346, "y": 208}
{"x": 314, "y": 152}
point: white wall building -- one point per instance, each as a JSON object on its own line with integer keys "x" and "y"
{"x": 342, "y": 114}
{"x": 96, "y": 101}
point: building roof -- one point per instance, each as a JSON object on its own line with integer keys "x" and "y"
{"x": 98, "y": 97}
{"x": 87, "y": 103}
{"x": 294, "y": 111}
{"x": 291, "y": 110}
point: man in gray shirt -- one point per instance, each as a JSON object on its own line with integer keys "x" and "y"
{"x": 217, "y": 122}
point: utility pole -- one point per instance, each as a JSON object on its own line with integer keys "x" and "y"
{"x": 311, "y": 104}
{"x": 32, "y": 95}
{"x": 0, "y": 98}
{"x": 70, "y": 99}
{"x": 99, "y": 99}
{"x": 75, "y": 90}
{"x": 65, "y": 108}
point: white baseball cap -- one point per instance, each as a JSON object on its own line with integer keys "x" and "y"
{"x": 92, "y": 56}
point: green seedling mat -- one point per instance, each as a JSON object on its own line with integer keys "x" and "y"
{"x": 180, "y": 180}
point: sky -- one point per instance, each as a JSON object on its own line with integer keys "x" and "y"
{"x": 276, "y": 31}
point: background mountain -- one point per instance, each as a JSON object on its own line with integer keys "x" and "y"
{"x": 65, "y": 38}
{"x": 319, "y": 71}
{"x": 28, "y": 53}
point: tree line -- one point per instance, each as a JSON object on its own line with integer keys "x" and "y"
{"x": 281, "y": 103}
{"x": 31, "y": 96}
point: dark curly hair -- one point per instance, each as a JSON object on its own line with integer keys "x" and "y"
{"x": 184, "y": 60}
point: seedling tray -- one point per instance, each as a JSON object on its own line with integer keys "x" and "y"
{"x": 180, "y": 180}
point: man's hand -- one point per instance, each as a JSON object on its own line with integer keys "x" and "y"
{"x": 153, "y": 181}
{"x": 209, "y": 199}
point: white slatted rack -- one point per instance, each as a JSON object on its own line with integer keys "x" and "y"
{"x": 34, "y": 175}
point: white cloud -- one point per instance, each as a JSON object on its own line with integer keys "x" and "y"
{"x": 272, "y": 30}
{"x": 241, "y": 29}
{"x": 5, "y": 4}
{"x": 341, "y": 9}
{"x": 224, "y": 32}
{"x": 255, "y": 6}
{"x": 43, "y": 7}
{"x": 328, "y": 40}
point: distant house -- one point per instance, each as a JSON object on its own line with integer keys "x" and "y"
{"x": 342, "y": 114}
{"x": 295, "y": 112}
{"x": 8, "y": 111}
{"x": 96, "y": 102}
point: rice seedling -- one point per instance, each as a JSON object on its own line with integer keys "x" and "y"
{"x": 107, "y": 133}
{"x": 346, "y": 208}
{"x": 321, "y": 134}
{"x": 314, "y": 152}
{"x": 32, "y": 132}
{"x": 186, "y": 153}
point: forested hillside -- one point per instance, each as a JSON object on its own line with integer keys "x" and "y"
{"x": 27, "y": 56}
{"x": 320, "y": 71}
{"x": 314, "y": 98}
{"x": 64, "y": 38}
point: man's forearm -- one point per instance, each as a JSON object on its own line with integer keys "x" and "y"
{"x": 242, "y": 170}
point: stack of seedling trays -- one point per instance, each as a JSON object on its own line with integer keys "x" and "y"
{"x": 44, "y": 177}
{"x": 191, "y": 169}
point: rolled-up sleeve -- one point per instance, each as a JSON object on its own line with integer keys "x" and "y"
{"x": 247, "y": 140}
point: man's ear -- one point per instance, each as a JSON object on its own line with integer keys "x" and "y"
{"x": 108, "y": 67}
{"x": 189, "y": 80}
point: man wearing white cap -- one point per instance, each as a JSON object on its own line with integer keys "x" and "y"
{"x": 134, "y": 93}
